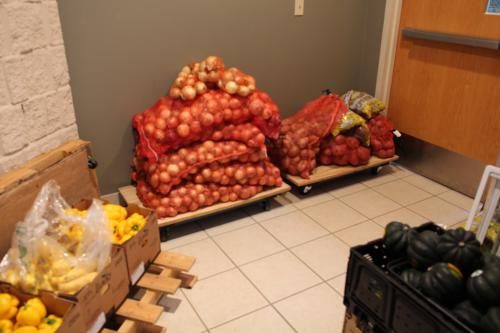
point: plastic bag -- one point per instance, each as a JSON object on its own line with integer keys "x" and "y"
{"x": 363, "y": 104}
{"x": 381, "y": 137}
{"x": 348, "y": 121}
{"x": 56, "y": 248}
{"x": 300, "y": 135}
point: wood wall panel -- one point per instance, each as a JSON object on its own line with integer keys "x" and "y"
{"x": 448, "y": 95}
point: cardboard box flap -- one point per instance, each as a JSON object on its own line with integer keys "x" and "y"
{"x": 67, "y": 165}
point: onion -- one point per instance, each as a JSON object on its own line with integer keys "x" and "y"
{"x": 171, "y": 211}
{"x": 233, "y": 196}
{"x": 149, "y": 128}
{"x": 201, "y": 199}
{"x": 229, "y": 171}
{"x": 188, "y": 93}
{"x": 186, "y": 201}
{"x": 180, "y": 81}
{"x": 185, "y": 117}
{"x": 173, "y": 170}
{"x": 203, "y": 76}
{"x": 237, "y": 114}
{"x": 224, "y": 198}
{"x": 234, "y": 103}
{"x": 176, "y": 202}
{"x": 161, "y": 211}
{"x": 154, "y": 180}
{"x": 256, "y": 107}
{"x": 239, "y": 174}
{"x": 172, "y": 122}
{"x": 231, "y": 87}
{"x": 228, "y": 114}
{"x": 164, "y": 177}
{"x": 183, "y": 130}
{"x": 250, "y": 171}
{"x": 243, "y": 91}
{"x": 175, "y": 92}
{"x": 206, "y": 173}
{"x": 267, "y": 113}
{"x": 160, "y": 123}
{"x": 227, "y": 76}
{"x": 207, "y": 119}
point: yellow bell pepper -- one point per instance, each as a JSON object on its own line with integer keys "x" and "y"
{"x": 38, "y": 305}
{"x": 8, "y": 306}
{"x": 6, "y": 326}
{"x": 50, "y": 324}
{"x": 115, "y": 212}
{"x": 26, "y": 329}
{"x": 28, "y": 316}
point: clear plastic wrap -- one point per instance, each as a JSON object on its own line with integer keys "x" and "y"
{"x": 55, "y": 247}
{"x": 363, "y": 104}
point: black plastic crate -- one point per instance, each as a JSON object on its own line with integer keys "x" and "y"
{"x": 443, "y": 315}
{"x": 385, "y": 300}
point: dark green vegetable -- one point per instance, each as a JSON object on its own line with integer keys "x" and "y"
{"x": 444, "y": 283}
{"x": 422, "y": 249}
{"x": 460, "y": 248}
{"x": 483, "y": 286}
{"x": 467, "y": 313}
{"x": 490, "y": 323}
{"x": 412, "y": 277}
{"x": 396, "y": 237}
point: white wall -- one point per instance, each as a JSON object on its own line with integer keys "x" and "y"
{"x": 36, "y": 106}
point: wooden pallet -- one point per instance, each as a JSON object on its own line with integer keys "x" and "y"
{"x": 129, "y": 195}
{"x": 327, "y": 172}
{"x": 164, "y": 276}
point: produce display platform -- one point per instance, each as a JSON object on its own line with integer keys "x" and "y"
{"x": 327, "y": 172}
{"x": 164, "y": 276}
{"x": 129, "y": 195}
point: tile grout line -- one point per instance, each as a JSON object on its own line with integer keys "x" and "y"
{"x": 195, "y": 311}
{"x": 251, "y": 282}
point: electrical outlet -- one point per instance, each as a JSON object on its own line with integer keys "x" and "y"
{"x": 299, "y": 7}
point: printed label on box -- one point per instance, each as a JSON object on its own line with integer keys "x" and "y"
{"x": 134, "y": 277}
{"x": 98, "y": 323}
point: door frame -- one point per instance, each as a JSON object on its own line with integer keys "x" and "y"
{"x": 388, "y": 49}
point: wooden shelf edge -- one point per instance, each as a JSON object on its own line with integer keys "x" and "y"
{"x": 128, "y": 193}
{"x": 324, "y": 172}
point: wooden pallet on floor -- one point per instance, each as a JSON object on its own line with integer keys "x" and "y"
{"x": 328, "y": 172}
{"x": 167, "y": 273}
{"x": 129, "y": 195}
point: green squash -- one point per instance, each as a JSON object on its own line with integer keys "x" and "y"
{"x": 444, "y": 283}
{"x": 460, "y": 248}
{"x": 483, "y": 286}
{"x": 468, "y": 314}
{"x": 396, "y": 237}
{"x": 412, "y": 277}
{"x": 422, "y": 249}
{"x": 490, "y": 323}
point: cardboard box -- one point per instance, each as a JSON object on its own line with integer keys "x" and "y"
{"x": 142, "y": 249}
{"x": 69, "y": 311}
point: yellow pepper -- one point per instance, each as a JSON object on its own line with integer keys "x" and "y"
{"x": 28, "y": 316}
{"x": 8, "y": 306}
{"x": 26, "y": 329}
{"x": 6, "y": 326}
{"x": 38, "y": 305}
{"x": 115, "y": 212}
{"x": 50, "y": 324}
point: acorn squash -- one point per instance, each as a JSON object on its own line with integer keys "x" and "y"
{"x": 396, "y": 237}
{"x": 412, "y": 277}
{"x": 422, "y": 249}
{"x": 444, "y": 283}
{"x": 468, "y": 314}
{"x": 490, "y": 323}
{"x": 483, "y": 286}
{"x": 460, "y": 248}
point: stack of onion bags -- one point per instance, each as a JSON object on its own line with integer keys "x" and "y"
{"x": 205, "y": 142}
{"x": 332, "y": 130}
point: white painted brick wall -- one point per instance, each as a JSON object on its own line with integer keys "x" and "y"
{"x": 36, "y": 106}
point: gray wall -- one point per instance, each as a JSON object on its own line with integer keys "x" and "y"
{"x": 123, "y": 55}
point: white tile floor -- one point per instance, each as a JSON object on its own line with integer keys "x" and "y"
{"x": 284, "y": 270}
